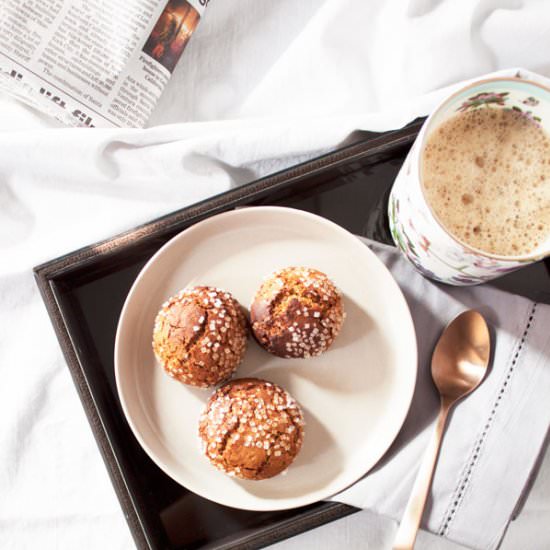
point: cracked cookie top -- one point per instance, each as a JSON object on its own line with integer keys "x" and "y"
{"x": 251, "y": 429}
{"x": 297, "y": 312}
{"x": 200, "y": 336}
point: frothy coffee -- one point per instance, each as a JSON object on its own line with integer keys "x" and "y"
{"x": 486, "y": 175}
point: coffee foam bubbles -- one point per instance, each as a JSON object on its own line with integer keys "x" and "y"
{"x": 486, "y": 175}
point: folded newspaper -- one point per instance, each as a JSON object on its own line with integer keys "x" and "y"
{"x": 94, "y": 63}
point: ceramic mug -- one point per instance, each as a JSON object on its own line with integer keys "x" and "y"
{"x": 414, "y": 227}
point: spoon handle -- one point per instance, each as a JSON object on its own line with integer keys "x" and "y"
{"x": 406, "y": 534}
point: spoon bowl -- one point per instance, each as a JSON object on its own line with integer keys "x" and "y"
{"x": 461, "y": 356}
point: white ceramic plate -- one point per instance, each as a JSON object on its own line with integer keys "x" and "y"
{"x": 355, "y": 396}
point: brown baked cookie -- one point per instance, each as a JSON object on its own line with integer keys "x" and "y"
{"x": 251, "y": 429}
{"x": 200, "y": 336}
{"x": 297, "y": 312}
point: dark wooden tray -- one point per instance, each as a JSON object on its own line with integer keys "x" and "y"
{"x": 84, "y": 292}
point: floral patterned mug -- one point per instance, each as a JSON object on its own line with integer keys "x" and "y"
{"x": 415, "y": 229}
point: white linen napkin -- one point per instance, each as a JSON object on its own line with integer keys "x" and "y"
{"x": 493, "y": 437}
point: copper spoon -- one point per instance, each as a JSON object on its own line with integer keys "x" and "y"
{"x": 459, "y": 364}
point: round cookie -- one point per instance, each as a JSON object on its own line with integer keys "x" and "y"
{"x": 200, "y": 336}
{"x": 251, "y": 429}
{"x": 297, "y": 312}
